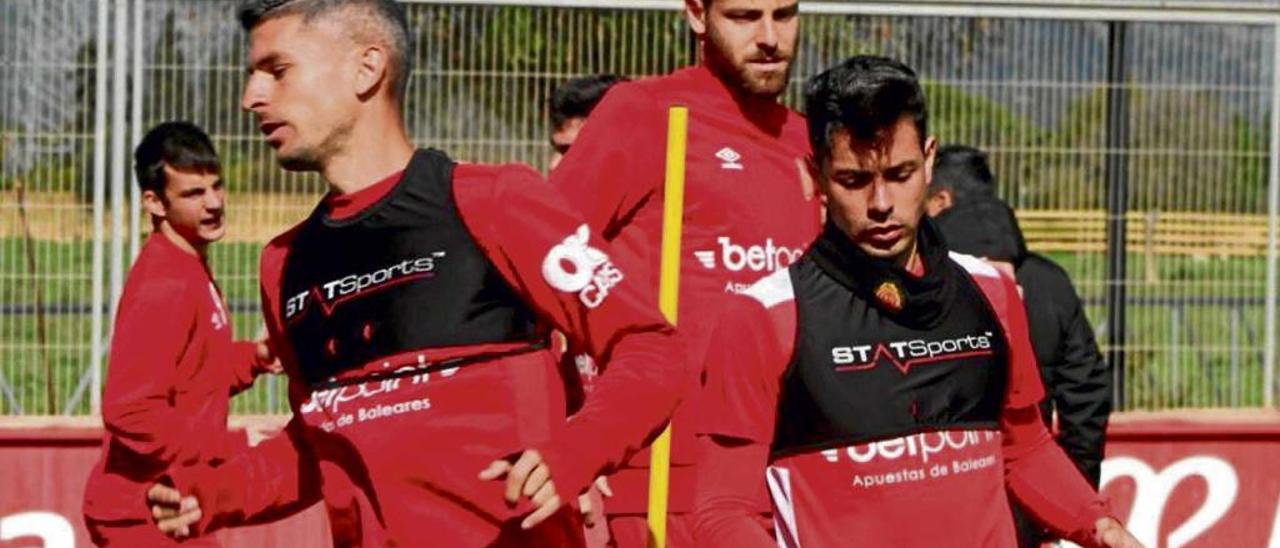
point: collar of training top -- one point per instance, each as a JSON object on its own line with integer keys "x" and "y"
{"x": 921, "y": 301}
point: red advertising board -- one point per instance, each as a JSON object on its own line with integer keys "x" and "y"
{"x": 1201, "y": 479}
{"x": 1196, "y": 479}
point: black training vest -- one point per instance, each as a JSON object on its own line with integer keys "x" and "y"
{"x": 863, "y": 371}
{"x": 403, "y": 275}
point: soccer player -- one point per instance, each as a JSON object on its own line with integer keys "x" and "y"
{"x": 173, "y": 363}
{"x": 412, "y": 309}
{"x": 749, "y": 205}
{"x": 885, "y": 387}
{"x": 571, "y": 103}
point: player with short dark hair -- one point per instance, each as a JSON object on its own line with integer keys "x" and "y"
{"x": 960, "y": 174}
{"x": 412, "y": 309}
{"x": 173, "y": 364}
{"x": 571, "y": 103}
{"x": 749, "y": 205}
{"x": 885, "y": 387}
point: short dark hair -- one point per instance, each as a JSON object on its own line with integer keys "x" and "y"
{"x": 577, "y": 97}
{"x": 866, "y": 95}
{"x": 380, "y": 17}
{"x": 965, "y": 171}
{"x": 180, "y": 145}
{"x": 983, "y": 228}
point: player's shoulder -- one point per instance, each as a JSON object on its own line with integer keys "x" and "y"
{"x": 974, "y": 266}
{"x": 648, "y": 93}
{"x": 273, "y": 253}
{"x": 771, "y": 291}
{"x": 1043, "y": 266}
{"x": 479, "y": 174}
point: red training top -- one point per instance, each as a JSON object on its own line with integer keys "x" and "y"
{"x": 173, "y": 367}
{"x": 396, "y": 461}
{"x": 749, "y": 210}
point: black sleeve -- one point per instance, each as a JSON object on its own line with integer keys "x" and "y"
{"x": 1080, "y": 381}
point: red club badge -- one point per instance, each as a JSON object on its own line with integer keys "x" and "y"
{"x": 890, "y": 296}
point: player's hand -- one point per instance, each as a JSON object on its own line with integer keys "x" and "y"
{"x": 1110, "y": 533}
{"x": 529, "y": 477}
{"x": 258, "y": 433}
{"x": 586, "y": 501}
{"x": 266, "y": 355}
{"x": 174, "y": 514}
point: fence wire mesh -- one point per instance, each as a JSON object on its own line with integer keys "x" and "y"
{"x": 1033, "y": 92}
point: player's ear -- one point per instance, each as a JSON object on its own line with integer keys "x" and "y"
{"x": 154, "y": 204}
{"x": 695, "y": 12}
{"x": 930, "y": 154}
{"x": 372, "y": 70}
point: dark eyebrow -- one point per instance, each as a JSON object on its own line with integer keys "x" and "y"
{"x": 908, "y": 164}
{"x": 267, "y": 60}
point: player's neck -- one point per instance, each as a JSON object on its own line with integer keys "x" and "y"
{"x": 166, "y": 230}
{"x": 377, "y": 147}
{"x": 910, "y": 261}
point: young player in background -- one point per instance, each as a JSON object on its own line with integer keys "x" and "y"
{"x": 174, "y": 364}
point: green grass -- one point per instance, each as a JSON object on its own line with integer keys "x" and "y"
{"x": 1198, "y": 371}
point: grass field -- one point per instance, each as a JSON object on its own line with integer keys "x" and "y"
{"x": 1195, "y": 325}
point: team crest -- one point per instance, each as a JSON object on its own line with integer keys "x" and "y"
{"x": 889, "y": 295}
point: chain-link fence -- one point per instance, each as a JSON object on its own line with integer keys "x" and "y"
{"x": 1147, "y": 123}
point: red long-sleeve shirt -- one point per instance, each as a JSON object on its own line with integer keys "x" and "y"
{"x": 172, "y": 369}
{"x": 749, "y": 210}
{"x": 402, "y": 466}
{"x": 930, "y": 488}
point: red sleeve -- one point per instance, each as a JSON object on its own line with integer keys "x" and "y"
{"x": 278, "y": 477}
{"x": 744, "y": 364}
{"x": 730, "y": 484}
{"x": 245, "y": 366}
{"x": 144, "y": 359}
{"x": 616, "y": 163}
{"x": 587, "y": 290}
{"x": 1025, "y": 388}
{"x": 275, "y": 479}
{"x": 1037, "y": 472}
{"x": 1045, "y": 481}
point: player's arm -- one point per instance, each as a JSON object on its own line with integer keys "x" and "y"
{"x": 276, "y": 478}
{"x": 271, "y": 481}
{"x": 615, "y": 165}
{"x": 1037, "y": 472}
{"x": 1081, "y": 386}
{"x": 730, "y": 482}
{"x": 739, "y": 408}
{"x": 152, "y": 330}
{"x": 590, "y": 292}
{"x": 250, "y": 359}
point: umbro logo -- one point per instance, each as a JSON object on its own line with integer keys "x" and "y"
{"x": 729, "y": 158}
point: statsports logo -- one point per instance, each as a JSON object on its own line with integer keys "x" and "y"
{"x": 332, "y": 293}
{"x": 733, "y": 257}
{"x": 910, "y": 353}
{"x": 572, "y": 266}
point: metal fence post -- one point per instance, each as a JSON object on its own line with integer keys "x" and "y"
{"x": 1273, "y": 229}
{"x": 135, "y": 126}
{"x": 99, "y": 203}
{"x": 119, "y": 155}
{"x": 1117, "y": 167}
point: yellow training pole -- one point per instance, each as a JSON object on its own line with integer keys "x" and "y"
{"x": 668, "y": 299}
